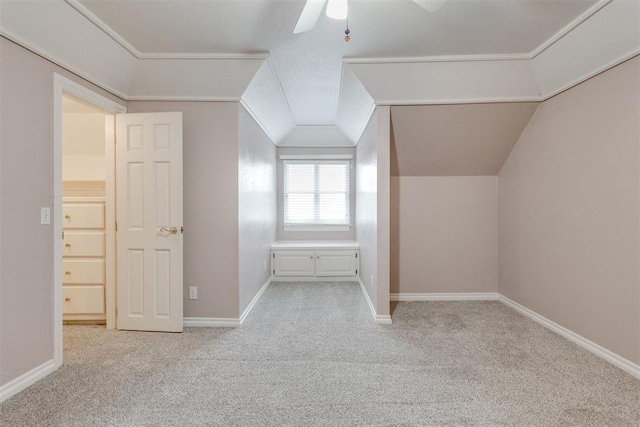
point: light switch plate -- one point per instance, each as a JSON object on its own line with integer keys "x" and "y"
{"x": 45, "y": 216}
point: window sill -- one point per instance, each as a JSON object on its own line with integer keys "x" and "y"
{"x": 317, "y": 227}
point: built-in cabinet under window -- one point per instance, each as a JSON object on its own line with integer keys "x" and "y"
{"x": 315, "y": 259}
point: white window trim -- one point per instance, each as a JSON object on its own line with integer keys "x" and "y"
{"x": 320, "y": 157}
{"x": 317, "y": 227}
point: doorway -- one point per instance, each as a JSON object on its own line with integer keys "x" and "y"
{"x": 83, "y": 207}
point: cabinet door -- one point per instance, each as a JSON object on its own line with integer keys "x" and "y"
{"x": 336, "y": 263}
{"x": 83, "y": 299}
{"x": 298, "y": 263}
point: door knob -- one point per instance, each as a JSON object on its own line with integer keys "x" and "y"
{"x": 172, "y": 230}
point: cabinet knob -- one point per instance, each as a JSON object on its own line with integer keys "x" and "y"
{"x": 67, "y": 245}
{"x": 67, "y": 273}
{"x": 67, "y": 217}
{"x": 67, "y": 299}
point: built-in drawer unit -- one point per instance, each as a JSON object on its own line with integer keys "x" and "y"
{"x": 82, "y": 215}
{"x": 314, "y": 260}
{"x": 83, "y": 262}
{"x": 83, "y": 271}
{"x": 83, "y": 299}
{"x": 83, "y": 244}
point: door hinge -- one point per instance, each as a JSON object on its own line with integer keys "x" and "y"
{"x": 274, "y": 272}
{"x": 274, "y": 255}
{"x": 356, "y": 272}
{"x": 116, "y": 312}
{"x": 116, "y": 225}
{"x": 63, "y": 235}
{"x": 356, "y": 254}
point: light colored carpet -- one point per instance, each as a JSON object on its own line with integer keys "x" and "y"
{"x": 309, "y": 354}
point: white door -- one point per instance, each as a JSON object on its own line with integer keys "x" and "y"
{"x": 149, "y": 221}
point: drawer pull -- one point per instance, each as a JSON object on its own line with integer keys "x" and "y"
{"x": 67, "y": 217}
{"x": 67, "y": 273}
{"x": 67, "y": 299}
{"x": 67, "y": 245}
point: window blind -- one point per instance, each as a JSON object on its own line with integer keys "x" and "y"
{"x": 316, "y": 192}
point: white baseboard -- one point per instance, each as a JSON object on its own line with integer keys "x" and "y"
{"x": 255, "y": 299}
{"x": 211, "y": 322}
{"x": 472, "y": 296}
{"x": 608, "y": 355}
{"x": 25, "y": 380}
{"x": 379, "y": 319}
{"x": 314, "y": 279}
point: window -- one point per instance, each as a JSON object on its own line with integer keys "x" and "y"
{"x": 316, "y": 193}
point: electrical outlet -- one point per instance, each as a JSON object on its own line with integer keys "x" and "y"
{"x": 193, "y": 292}
{"x": 45, "y": 216}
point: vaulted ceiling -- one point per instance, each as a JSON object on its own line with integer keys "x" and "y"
{"x": 498, "y": 56}
{"x": 308, "y": 65}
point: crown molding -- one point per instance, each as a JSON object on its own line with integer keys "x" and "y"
{"x": 569, "y": 27}
{"x": 441, "y": 58}
{"x": 60, "y": 63}
{"x": 81, "y": 9}
{"x": 183, "y": 98}
{"x": 258, "y": 121}
{"x": 488, "y": 57}
{"x": 84, "y": 11}
{"x": 396, "y": 102}
{"x": 203, "y": 56}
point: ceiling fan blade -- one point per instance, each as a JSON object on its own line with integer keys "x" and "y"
{"x": 309, "y": 16}
{"x": 430, "y": 5}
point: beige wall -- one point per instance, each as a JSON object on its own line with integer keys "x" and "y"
{"x": 210, "y": 135}
{"x": 313, "y": 235}
{"x": 444, "y": 234}
{"x": 26, "y": 247}
{"x": 83, "y": 147}
{"x": 569, "y": 212}
{"x": 257, "y": 210}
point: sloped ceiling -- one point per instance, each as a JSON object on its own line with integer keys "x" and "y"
{"x": 455, "y": 140}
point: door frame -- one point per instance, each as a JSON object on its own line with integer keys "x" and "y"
{"x": 64, "y": 86}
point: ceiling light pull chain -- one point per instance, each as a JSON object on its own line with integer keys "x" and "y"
{"x": 347, "y": 37}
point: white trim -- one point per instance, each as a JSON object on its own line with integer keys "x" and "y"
{"x": 276, "y": 77}
{"x": 568, "y": 28}
{"x": 211, "y": 322}
{"x": 608, "y": 355}
{"x": 316, "y": 156}
{"x": 27, "y": 379}
{"x": 441, "y": 58}
{"x": 435, "y": 296}
{"x": 255, "y": 299}
{"x": 372, "y": 110}
{"x": 61, "y": 86}
{"x": 318, "y": 227}
{"x": 204, "y": 55}
{"x": 379, "y": 319}
{"x": 258, "y": 122}
{"x": 592, "y": 74}
{"x": 458, "y": 101}
{"x": 314, "y": 278}
{"x": 91, "y": 17}
{"x": 184, "y": 98}
{"x": 57, "y": 61}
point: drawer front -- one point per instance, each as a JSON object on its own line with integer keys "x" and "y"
{"x": 80, "y": 244}
{"x": 82, "y": 215}
{"x": 83, "y": 271}
{"x": 83, "y": 299}
{"x": 294, "y": 263}
{"x": 336, "y": 263}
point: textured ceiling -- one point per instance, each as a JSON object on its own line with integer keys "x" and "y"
{"x": 455, "y": 140}
{"x": 309, "y": 64}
